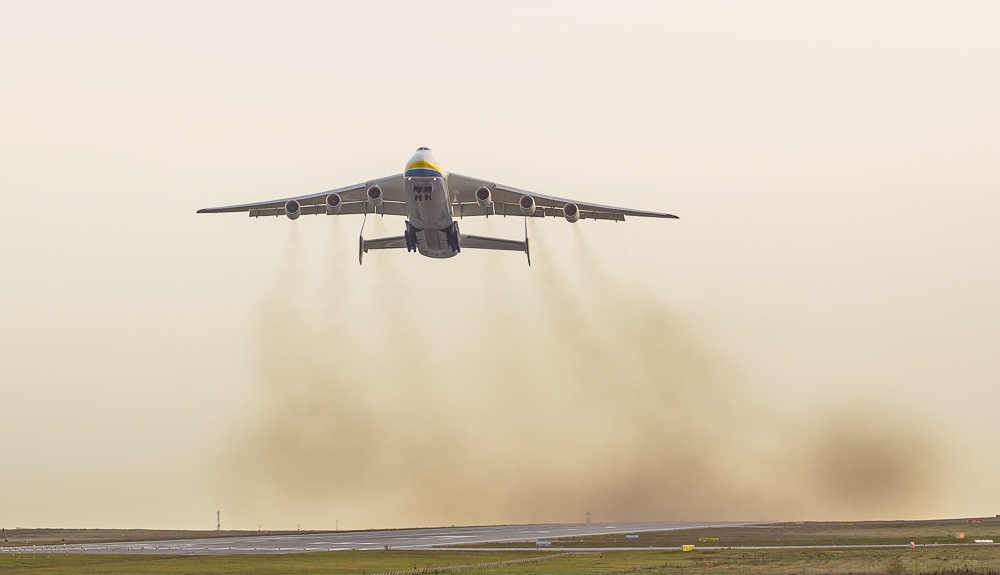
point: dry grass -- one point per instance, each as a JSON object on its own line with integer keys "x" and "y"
{"x": 15, "y": 537}
{"x": 939, "y": 560}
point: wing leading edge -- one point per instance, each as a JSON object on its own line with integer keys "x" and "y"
{"x": 505, "y": 202}
{"x": 353, "y": 198}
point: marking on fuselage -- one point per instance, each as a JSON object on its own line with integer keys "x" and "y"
{"x": 422, "y": 193}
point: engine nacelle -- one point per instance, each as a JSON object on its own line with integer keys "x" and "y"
{"x": 527, "y": 204}
{"x": 375, "y": 196}
{"x": 483, "y": 197}
{"x": 571, "y": 212}
{"x": 293, "y": 210}
{"x": 334, "y": 204}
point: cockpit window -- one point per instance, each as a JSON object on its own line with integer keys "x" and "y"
{"x": 421, "y": 149}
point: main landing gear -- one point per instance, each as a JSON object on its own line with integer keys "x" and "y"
{"x": 453, "y": 237}
{"x": 410, "y": 235}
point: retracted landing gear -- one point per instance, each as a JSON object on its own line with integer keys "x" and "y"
{"x": 453, "y": 237}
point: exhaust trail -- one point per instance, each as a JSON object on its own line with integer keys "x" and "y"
{"x": 395, "y": 400}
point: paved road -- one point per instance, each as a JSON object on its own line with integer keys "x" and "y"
{"x": 342, "y": 540}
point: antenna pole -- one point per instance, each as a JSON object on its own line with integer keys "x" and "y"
{"x": 218, "y": 522}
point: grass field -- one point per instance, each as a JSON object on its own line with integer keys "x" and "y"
{"x": 15, "y": 537}
{"x": 922, "y": 560}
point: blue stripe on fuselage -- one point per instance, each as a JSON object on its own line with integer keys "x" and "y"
{"x": 423, "y": 173}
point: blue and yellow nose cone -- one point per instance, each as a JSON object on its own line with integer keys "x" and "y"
{"x": 423, "y": 165}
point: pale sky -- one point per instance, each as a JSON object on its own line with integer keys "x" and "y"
{"x": 835, "y": 167}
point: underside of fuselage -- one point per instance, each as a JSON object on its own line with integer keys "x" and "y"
{"x": 428, "y": 205}
{"x": 434, "y": 243}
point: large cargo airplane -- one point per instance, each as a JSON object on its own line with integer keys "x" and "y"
{"x": 430, "y": 199}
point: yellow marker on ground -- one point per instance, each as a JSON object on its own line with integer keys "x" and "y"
{"x": 687, "y": 547}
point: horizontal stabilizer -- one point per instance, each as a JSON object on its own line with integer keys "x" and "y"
{"x": 379, "y": 244}
{"x": 467, "y": 242}
{"x": 485, "y": 243}
{"x": 384, "y": 243}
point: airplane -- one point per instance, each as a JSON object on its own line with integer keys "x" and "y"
{"x": 431, "y": 199}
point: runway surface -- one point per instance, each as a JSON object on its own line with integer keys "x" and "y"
{"x": 368, "y": 540}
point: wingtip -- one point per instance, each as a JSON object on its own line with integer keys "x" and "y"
{"x": 202, "y": 211}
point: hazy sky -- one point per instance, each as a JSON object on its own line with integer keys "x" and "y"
{"x": 835, "y": 166}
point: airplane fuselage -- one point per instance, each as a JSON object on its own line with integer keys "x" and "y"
{"x": 428, "y": 204}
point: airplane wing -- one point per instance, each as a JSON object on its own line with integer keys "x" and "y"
{"x": 505, "y": 202}
{"x": 352, "y": 198}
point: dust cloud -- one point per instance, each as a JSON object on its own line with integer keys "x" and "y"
{"x": 391, "y": 400}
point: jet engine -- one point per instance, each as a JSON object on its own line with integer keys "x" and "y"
{"x": 483, "y": 197}
{"x": 527, "y": 204}
{"x": 571, "y": 212}
{"x": 375, "y": 195}
{"x": 293, "y": 210}
{"x": 334, "y": 204}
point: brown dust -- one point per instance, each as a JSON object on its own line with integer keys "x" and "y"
{"x": 396, "y": 400}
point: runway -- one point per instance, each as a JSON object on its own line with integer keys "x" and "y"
{"x": 367, "y": 540}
